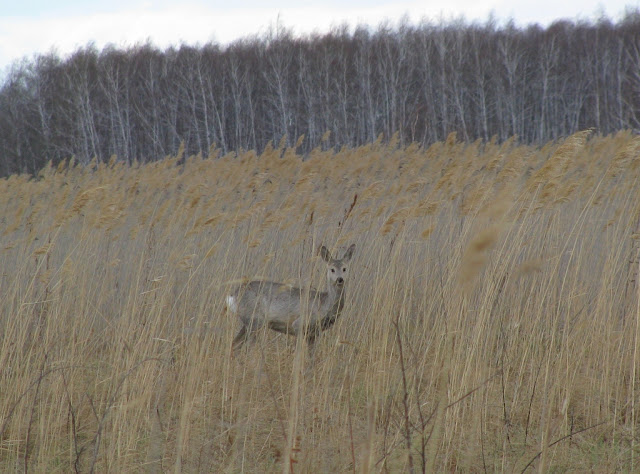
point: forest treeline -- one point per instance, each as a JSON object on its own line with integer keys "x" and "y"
{"x": 420, "y": 82}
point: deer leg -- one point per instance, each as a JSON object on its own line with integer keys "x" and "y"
{"x": 240, "y": 338}
{"x": 311, "y": 335}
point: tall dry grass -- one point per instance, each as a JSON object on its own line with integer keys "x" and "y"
{"x": 492, "y": 323}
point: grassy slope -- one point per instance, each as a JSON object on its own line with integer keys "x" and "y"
{"x": 488, "y": 314}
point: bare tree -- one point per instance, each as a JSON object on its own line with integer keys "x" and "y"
{"x": 420, "y": 82}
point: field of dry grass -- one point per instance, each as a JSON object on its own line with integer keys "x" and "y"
{"x": 491, "y": 323}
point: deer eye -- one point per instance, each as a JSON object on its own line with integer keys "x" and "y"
{"x": 333, "y": 270}
{"x": 344, "y": 269}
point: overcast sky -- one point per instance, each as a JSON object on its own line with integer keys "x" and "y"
{"x": 28, "y": 27}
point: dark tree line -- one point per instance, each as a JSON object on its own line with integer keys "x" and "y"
{"x": 421, "y": 82}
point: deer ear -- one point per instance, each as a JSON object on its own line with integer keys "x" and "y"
{"x": 324, "y": 253}
{"x": 349, "y": 253}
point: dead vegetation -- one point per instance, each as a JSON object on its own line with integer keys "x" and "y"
{"x": 493, "y": 322}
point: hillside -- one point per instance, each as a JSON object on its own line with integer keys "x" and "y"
{"x": 419, "y": 82}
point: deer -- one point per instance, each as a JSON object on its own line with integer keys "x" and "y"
{"x": 288, "y": 309}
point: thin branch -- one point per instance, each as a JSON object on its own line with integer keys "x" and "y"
{"x": 559, "y": 440}
{"x": 33, "y": 410}
{"x": 98, "y": 435}
{"x": 405, "y": 396}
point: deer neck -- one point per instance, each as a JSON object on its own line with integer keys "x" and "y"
{"x": 336, "y": 296}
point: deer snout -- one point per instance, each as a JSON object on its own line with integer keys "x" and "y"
{"x": 340, "y": 281}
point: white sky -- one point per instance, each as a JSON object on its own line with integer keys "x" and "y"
{"x": 28, "y": 27}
